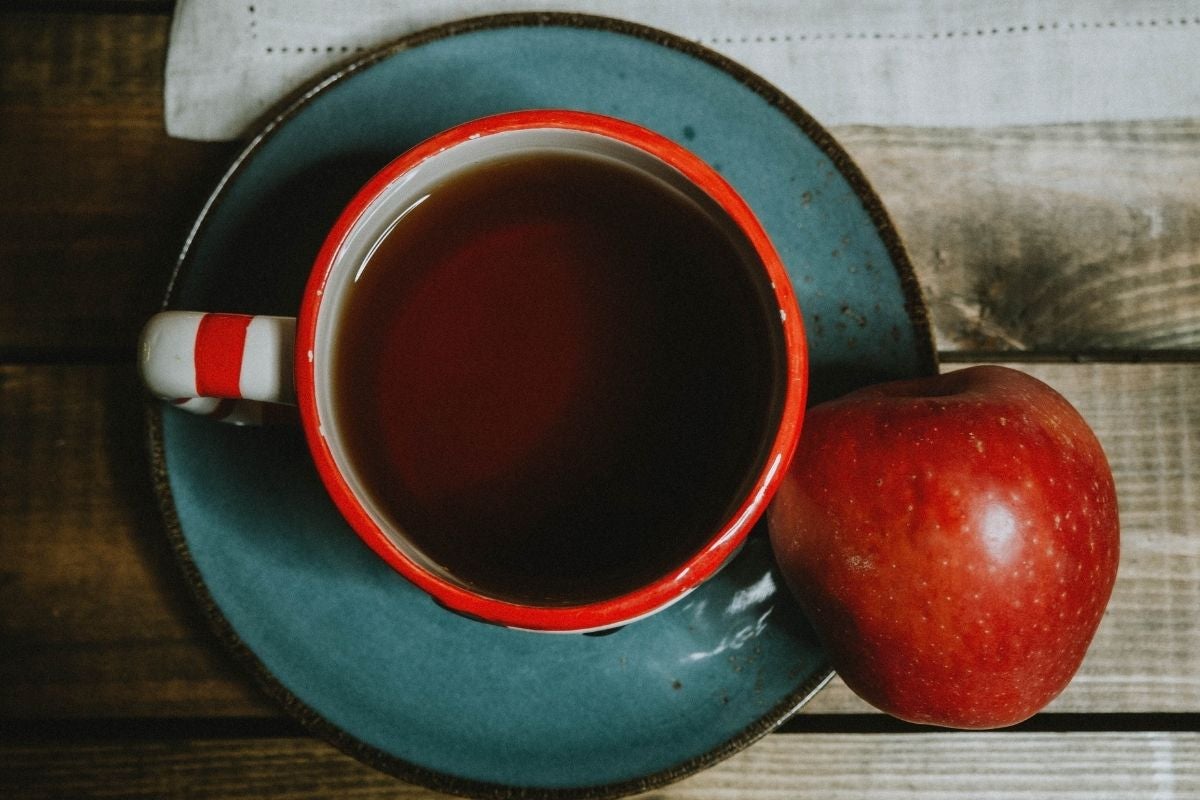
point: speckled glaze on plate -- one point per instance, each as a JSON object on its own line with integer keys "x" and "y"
{"x": 345, "y": 644}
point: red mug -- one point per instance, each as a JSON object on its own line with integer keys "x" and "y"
{"x": 548, "y": 365}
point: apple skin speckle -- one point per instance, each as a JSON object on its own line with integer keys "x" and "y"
{"x": 992, "y": 505}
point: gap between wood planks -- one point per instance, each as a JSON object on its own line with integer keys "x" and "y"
{"x": 84, "y": 354}
{"x": 156, "y": 728}
{"x": 1151, "y": 356}
{"x": 164, "y": 7}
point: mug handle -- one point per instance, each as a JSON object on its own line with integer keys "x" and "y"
{"x": 233, "y": 367}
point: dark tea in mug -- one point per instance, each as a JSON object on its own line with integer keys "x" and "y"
{"x": 557, "y": 376}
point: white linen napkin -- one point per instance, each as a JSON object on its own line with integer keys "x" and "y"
{"x": 922, "y": 63}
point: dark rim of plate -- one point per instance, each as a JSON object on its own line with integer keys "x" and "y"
{"x": 228, "y": 637}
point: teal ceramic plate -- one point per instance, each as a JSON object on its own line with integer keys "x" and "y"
{"x": 348, "y": 646}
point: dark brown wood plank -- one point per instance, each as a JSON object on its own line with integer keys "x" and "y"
{"x": 1083, "y": 765}
{"x": 94, "y": 623}
{"x": 93, "y": 617}
{"x": 97, "y": 199}
{"x": 92, "y": 6}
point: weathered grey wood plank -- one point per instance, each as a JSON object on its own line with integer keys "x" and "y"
{"x": 996, "y": 766}
{"x": 1055, "y": 238}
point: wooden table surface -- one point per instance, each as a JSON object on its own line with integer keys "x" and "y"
{"x": 1071, "y": 251}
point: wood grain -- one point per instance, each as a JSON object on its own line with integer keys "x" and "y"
{"x": 1087, "y": 766}
{"x": 93, "y": 617}
{"x": 94, "y": 622}
{"x": 97, "y": 199}
{"x": 1061, "y": 238}
{"x": 1054, "y": 238}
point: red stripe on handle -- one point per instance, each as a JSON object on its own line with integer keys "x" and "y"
{"x": 220, "y": 343}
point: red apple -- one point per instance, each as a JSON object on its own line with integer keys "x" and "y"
{"x": 954, "y": 542}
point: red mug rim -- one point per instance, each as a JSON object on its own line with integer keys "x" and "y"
{"x": 720, "y": 546}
